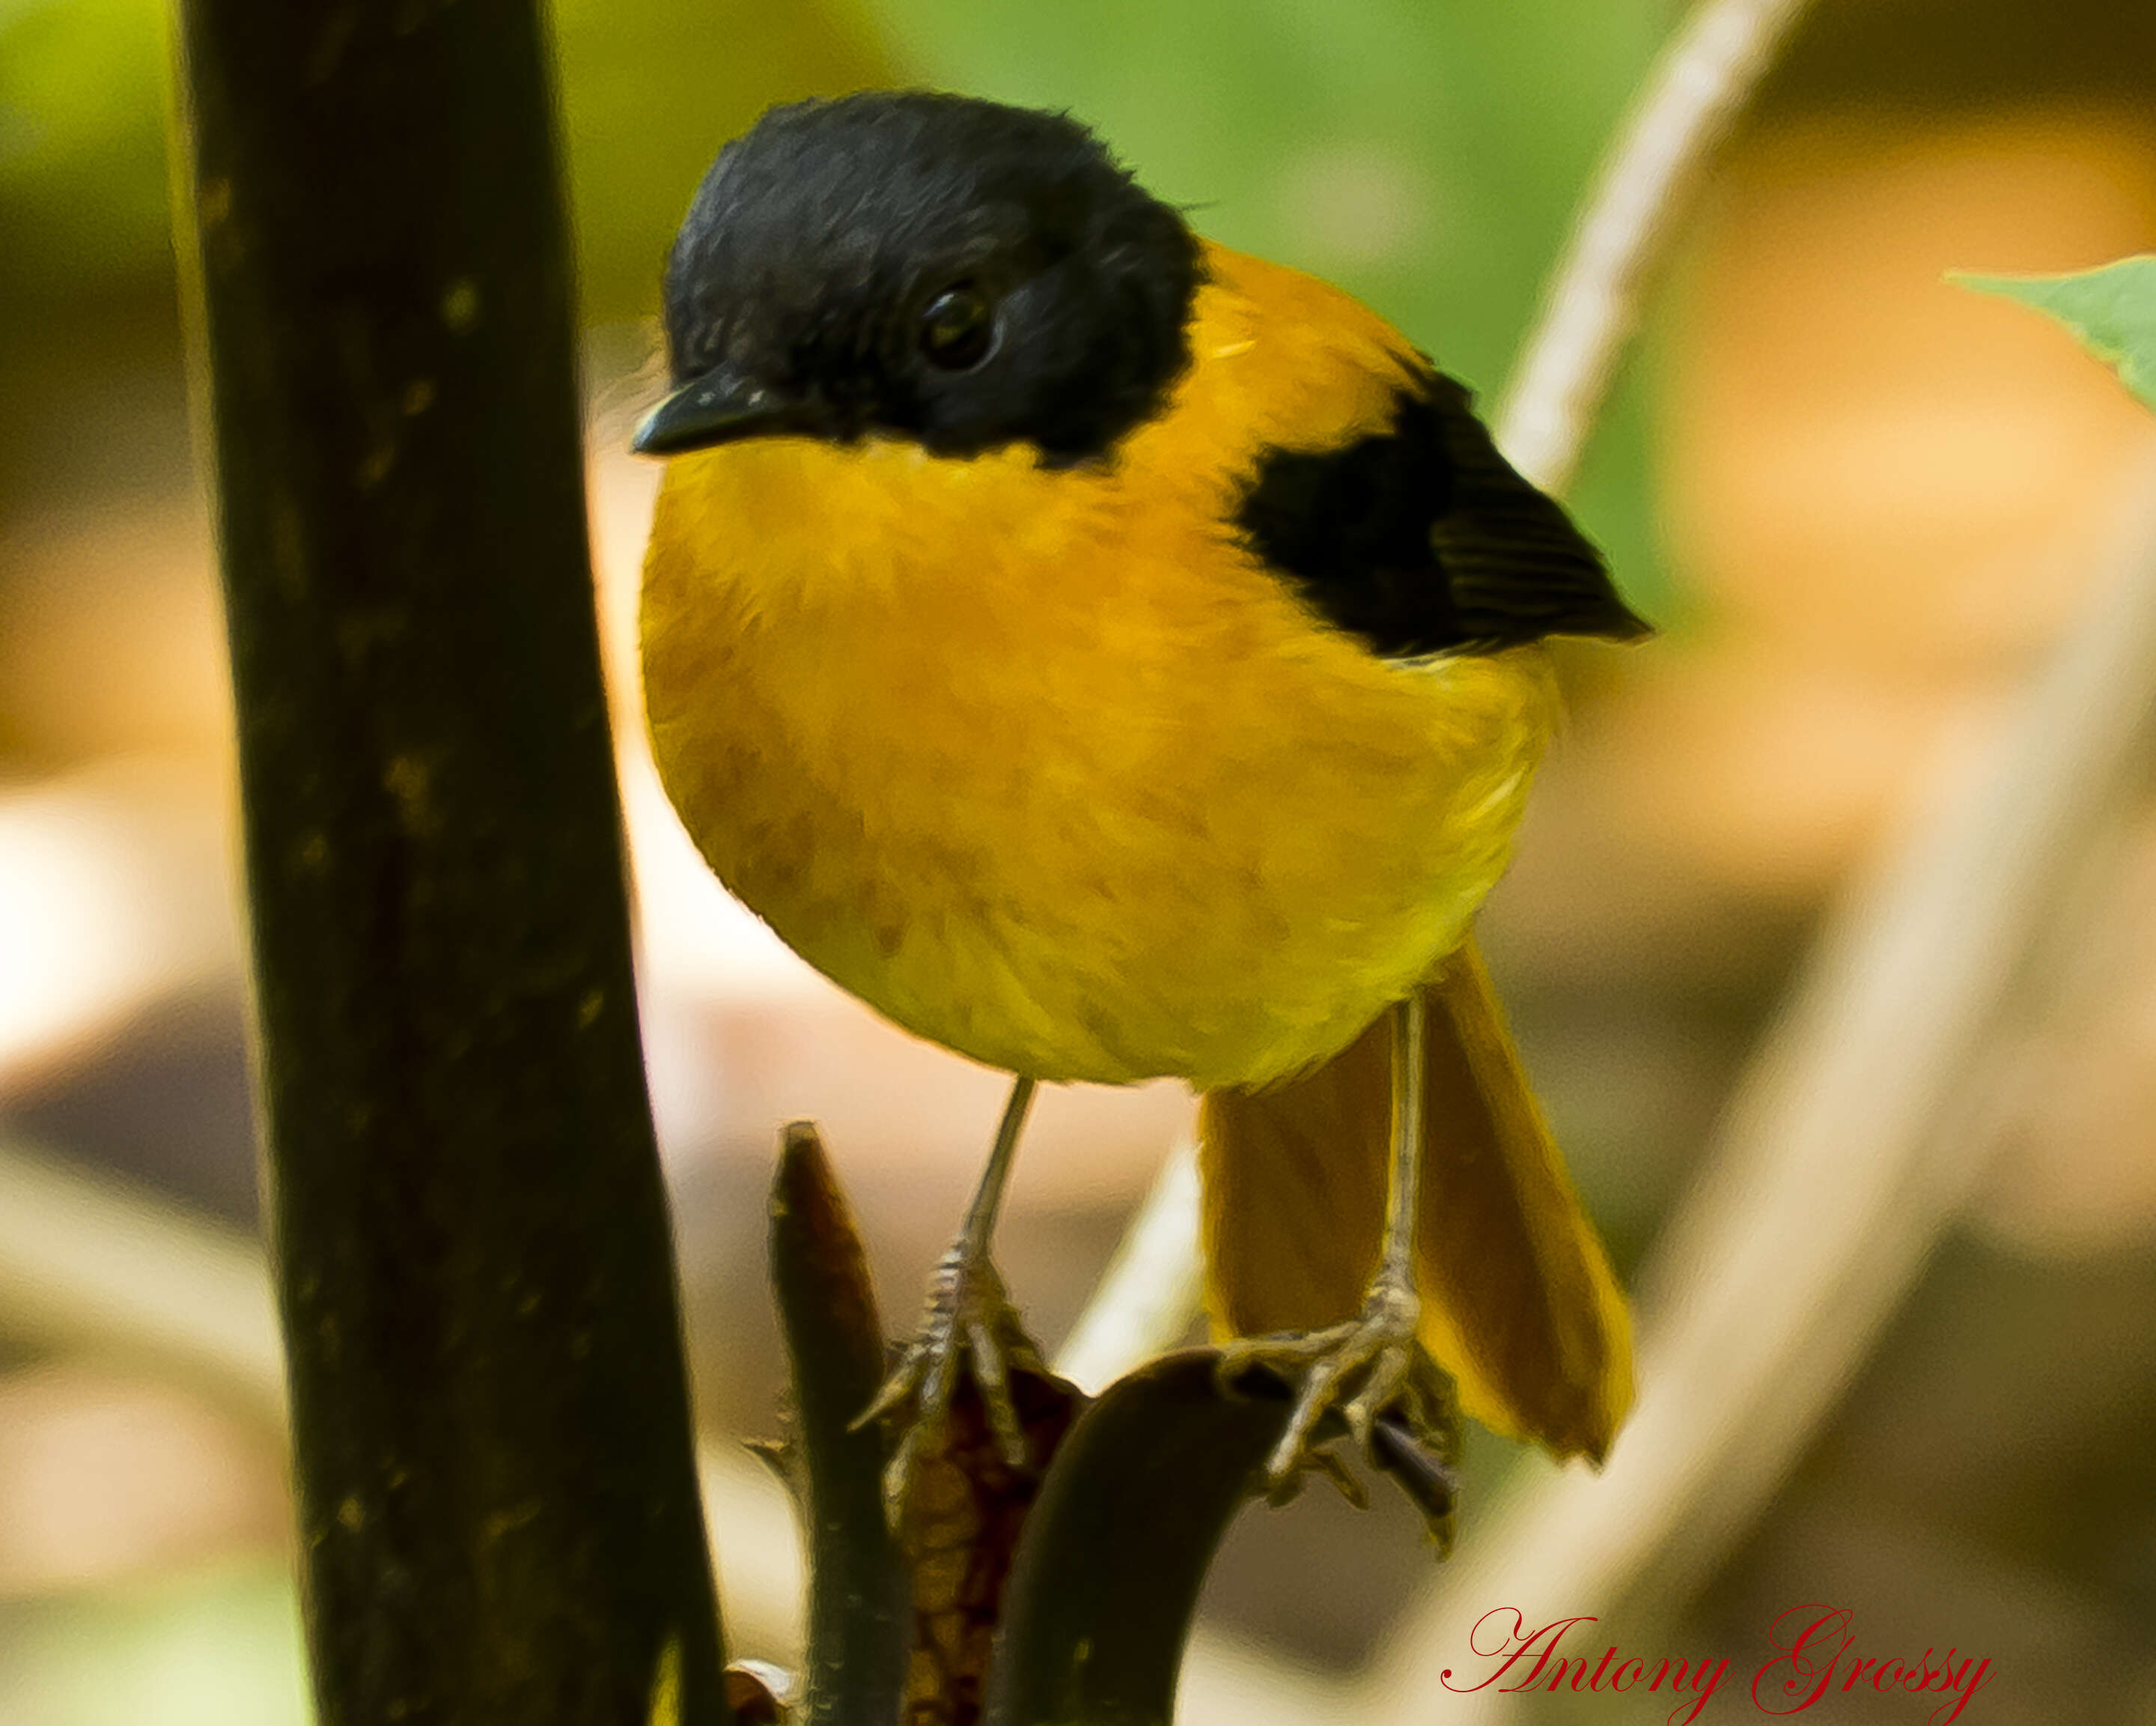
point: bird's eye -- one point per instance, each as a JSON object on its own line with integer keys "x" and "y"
{"x": 957, "y": 330}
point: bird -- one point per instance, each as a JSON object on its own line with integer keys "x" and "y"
{"x": 1112, "y": 656}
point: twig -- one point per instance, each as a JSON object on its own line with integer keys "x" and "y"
{"x": 1149, "y": 1293}
{"x": 1839, "y": 1165}
{"x": 1701, "y": 81}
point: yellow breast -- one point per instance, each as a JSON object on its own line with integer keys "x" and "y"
{"x": 1042, "y": 764}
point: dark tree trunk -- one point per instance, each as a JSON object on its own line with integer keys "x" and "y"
{"x": 497, "y": 1493}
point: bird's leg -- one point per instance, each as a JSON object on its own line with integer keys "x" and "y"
{"x": 1373, "y": 1360}
{"x": 968, "y": 1316}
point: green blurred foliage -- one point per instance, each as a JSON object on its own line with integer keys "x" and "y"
{"x": 218, "y": 1648}
{"x": 650, "y": 89}
{"x": 1423, "y": 153}
{"x": 82, "y": 147}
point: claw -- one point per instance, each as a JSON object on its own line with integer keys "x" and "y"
{"x": 1375, "y": 1356}
{"x": 969, "y": 1319}
{"x": 894, "y": 1391}
{"x": 992, "y": 1373}
{"x": 1333, "y": 1469}
{"x": 1381, "y": 1385}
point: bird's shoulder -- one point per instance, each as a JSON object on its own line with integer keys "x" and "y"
{"x": 1408, "y": 528}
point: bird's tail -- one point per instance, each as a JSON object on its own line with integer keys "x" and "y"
{"x": 1519, "y": 1303}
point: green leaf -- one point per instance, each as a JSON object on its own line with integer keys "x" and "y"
{"x": 2112, "y": 312}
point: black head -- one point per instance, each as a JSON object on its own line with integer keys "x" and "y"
{"x": 953, "y": 271}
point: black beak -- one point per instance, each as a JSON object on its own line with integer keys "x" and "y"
{"x": 721, "y": 407}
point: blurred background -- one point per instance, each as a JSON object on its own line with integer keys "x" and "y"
{"x": 1862, "y": 504}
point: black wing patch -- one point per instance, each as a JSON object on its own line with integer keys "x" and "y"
{"x": 1423, "y": 539}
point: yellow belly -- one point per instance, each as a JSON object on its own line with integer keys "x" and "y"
{"x": 1071, "y": 786}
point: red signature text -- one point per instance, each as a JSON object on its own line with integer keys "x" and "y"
{"x": 1815, "y": 1656}
{"x": 1503, "y": 1636}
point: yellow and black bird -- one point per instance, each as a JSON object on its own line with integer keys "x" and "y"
{"x": 1112, "y": 656}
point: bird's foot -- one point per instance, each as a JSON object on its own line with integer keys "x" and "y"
{"x": 1372, "y": 1360}
{"x": 970, "y": 1323}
